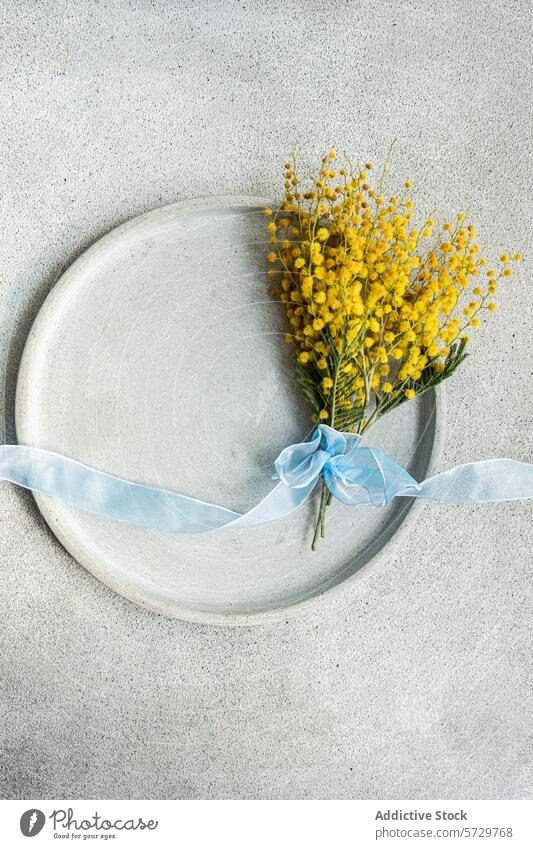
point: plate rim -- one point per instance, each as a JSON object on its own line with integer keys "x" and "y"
{"x": 45, "y": 505}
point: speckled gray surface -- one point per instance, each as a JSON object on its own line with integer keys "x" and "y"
{"x": 418, "y": 681}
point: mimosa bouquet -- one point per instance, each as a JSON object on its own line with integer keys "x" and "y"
{"x": 380, "y": 309}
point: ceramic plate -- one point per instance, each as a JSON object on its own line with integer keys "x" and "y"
{"x": 159, "y": 357}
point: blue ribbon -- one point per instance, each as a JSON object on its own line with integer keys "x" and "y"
{"x": 354, "y": 474}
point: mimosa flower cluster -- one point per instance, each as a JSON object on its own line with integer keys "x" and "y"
{"x": 380, "y": 309}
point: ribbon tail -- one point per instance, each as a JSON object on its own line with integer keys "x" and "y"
{"x": 481, "y": 482}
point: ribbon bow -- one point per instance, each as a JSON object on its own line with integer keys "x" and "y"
{"x": 354, "y": 474}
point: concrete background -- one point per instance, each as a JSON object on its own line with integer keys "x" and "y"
{"x": 415, "y": 684}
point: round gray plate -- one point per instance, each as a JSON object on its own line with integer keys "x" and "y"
{"x": 159, "y": 357}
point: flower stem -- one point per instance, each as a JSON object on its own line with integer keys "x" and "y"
{"x": 320, "y": 525}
